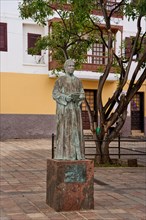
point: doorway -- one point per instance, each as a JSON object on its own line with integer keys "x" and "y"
{"x": 137, "y": 112}
{"x": 91, "y": 98}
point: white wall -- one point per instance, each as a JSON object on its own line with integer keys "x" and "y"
{"x": 130, "y": 29}
{"x": 16, "y": 58}
{"x": 28, "y": 58}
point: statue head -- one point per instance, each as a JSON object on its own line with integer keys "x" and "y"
{"x": 69, "y": 66}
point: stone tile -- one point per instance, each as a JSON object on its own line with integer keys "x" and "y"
{"x": 19, "y": 217}
{"x": 117, "y": 211}
{"x": 73, "y": 215}
{"x": 121, "y": 194}
{"x": 36, "y": 215}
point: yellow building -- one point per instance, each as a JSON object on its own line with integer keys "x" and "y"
{"x": 27, "y": 107}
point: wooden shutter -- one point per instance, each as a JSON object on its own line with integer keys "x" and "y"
{"x": 91, "y": 98}
{"x": 128, "y": 47}
{"x": 98, "y": 53}
{"x": 32, "y": 39}
{"x": 143, "y": 49}
{"x": 129, "y": 41}
{"x": 3, "y": 36}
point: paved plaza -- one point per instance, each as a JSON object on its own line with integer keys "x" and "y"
{"x": 119, "y": 193}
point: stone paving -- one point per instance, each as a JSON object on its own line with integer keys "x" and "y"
{"x": 119, "y": 193}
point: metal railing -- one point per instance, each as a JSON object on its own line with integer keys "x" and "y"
{"x": 132, "y": 147}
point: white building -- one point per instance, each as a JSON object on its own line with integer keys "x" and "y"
{"x": 27, "y": 107}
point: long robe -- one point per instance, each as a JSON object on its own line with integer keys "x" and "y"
{"x": 70, "y": 143}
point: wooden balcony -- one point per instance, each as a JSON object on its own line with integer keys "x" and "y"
{"x": 110, "y": 4}
{"x": 92, "y": 63}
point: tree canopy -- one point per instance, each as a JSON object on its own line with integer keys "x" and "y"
{"x": 79, "y": 27}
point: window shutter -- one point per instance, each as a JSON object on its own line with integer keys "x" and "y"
{"x": 128, "y": 47}
{"x": 32, "y": 39}
{"x": 143, "y": 48}
{"x": 98, "y": 53}
{"x": 129, "y": 41}
{"x": 3, "y": 36}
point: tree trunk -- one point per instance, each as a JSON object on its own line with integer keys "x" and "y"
{"x": 102, "y": 150}
{"x": 105, "y": 151}
{"x": 98, "y": 158}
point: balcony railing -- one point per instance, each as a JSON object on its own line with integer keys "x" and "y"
{"x": 92, "y": 63}
{"x": 110, "y": 4}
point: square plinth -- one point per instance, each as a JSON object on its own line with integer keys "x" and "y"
{"x": 70, "y": 185}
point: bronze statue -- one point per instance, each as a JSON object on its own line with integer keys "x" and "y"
{"x": 69, "y": 94}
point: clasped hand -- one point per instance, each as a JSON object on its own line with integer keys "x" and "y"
{"x": 68, "y": 98}
{"x": 73, "y": 97}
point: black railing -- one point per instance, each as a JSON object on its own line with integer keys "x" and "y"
{"x": 94, "y": 147}
{"x": 53, "y": 145}
{"x": 128, "y": 151}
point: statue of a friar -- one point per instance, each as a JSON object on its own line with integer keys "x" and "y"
{"x": 69, "y": 95}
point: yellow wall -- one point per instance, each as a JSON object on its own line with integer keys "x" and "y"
{"x": 26, "y": 94}
{"x": 32, "y": 94}
{"x": 108, "y": 90}
{"x": 90, "y": 84}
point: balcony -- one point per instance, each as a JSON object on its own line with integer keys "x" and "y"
{"x": 92, "y": 63}
{"x": 110, "y": 4}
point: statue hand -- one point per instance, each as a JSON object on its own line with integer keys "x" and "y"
{"x": 82, "y": 97}
{"x": 79, "y": 103}
{"x": 68, "y": 98}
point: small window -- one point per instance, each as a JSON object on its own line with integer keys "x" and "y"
{"x": 98, "y": 53}
{"x": 129, "y": 42}
{"x": 3, "y": 36}
{"x": 135, "y": 102}
{"x": 128, "y": 46}
{"x": 32, "y": 39}
{"x": 110, "y": 4}
{"x": 143, "y": 49}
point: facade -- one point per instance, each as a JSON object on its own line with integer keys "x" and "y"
{"x": 27, "y": 107}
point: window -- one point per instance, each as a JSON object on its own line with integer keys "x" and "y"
{"x": 3, "y": 36}
{"x": 110, "y": 4}
{"x": 98, "y": 53}
{"x": 135, "y": 103}
{"x": 128, "y": 46}
{"x": 32, "y": 39}
{"x": 129, "y": 42}
{"x": 143, "y": 49}
{"x": 90, "y": 96}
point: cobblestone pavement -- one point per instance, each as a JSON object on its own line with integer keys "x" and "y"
{"x": 119, "y": 193}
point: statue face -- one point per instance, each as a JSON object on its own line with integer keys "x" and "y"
{"x": 70, "y": 67}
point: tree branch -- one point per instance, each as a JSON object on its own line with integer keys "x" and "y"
{"x": 118, "y": 5}
{"x": 134, "y": 47}
{"x": 137, "y": 85}
{"x": 139, "y": 64}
